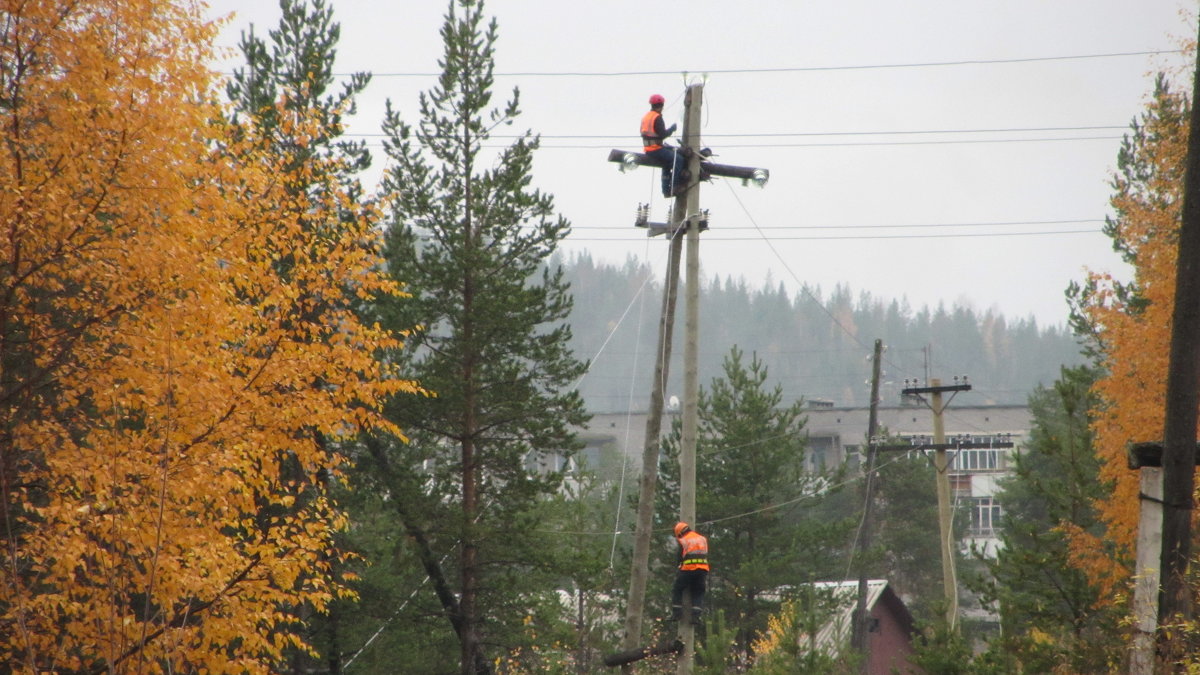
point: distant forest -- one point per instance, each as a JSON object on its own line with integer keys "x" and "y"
{"x": 816, "y": 346}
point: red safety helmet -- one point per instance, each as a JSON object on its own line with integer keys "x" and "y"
{"x": 680, "y": 528}
{"x": 657, "y": 99}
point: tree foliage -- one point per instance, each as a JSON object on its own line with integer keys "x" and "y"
{"x": 1130, "y": 323}
{"x": 1054, "y": 618}
{"x": 289, "y": 75}
{"x": 154, "y": 379}
{"x": 487, "y": 451}
{"x": 760, "y": 507}
{"x": 906, "y": 548}
{"x": 795, "y": 335}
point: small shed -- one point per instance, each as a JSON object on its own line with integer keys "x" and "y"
{"x": 889, "y": 640}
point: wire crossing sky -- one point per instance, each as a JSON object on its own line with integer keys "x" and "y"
{"x": 934, "y": 151}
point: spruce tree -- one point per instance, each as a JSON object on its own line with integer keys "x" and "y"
{"x": 486, "y": 451}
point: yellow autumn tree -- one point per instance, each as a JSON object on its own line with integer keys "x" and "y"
{"x": 1130, "y": 323}
{"x": 157, "y": 370}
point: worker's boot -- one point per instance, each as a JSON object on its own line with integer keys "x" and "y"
{"x": 697, "y": 616}
{"x": 676, "y": 612}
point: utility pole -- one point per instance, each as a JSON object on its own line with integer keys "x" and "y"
{"x": 691, "y": 376}
{"x": 687, "y": 220}
{"x": 643, "y": 530}
{"x": 1179, "y": 427}
{"x": 941, "y": 465}
{"x": 1147, "y": 459}
{"x": 858, "y": 635}
{"x": 1149, "y": 557}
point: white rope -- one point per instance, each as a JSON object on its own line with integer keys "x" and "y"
{"x": 612, "y": 554}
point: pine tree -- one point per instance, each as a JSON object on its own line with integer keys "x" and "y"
{"x": 487, "y": 448}
{"x": 906, "y": 549}
{"x": 1051, "y": 614}
{"x": 755, "y": 501}
{"x": 293, "y": 75}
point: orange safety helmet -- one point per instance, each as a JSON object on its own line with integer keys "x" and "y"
{"x": 657, "y": 99}
{"x": 680, "y": 528}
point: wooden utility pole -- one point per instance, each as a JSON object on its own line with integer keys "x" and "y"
{"x": 643, "y": 530}
{"x": 941, "y": 464}
{"x": 687, "y": 221}
{"x": 691, "y": 377}
{"x": 859, "y": 635}
{"x": 1183, "y": 378}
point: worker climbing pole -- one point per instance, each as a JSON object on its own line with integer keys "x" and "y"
{"x": 682, "y": 180}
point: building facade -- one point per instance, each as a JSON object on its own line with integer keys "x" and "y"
{"x": 838, "y": 435}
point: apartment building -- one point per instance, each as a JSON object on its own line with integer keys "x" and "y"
{"x": 838, "y": 435}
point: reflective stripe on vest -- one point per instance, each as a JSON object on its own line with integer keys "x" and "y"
{"x": 694, "y": 552}
{"x": 650, "y": 140}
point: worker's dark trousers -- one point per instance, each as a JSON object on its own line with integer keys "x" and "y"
{"x": 671, "y": 162}
{"x": 691, "y": 580}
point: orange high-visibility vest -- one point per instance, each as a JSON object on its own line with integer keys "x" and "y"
{"x": 650, "y": 139}
{"x": 693, "y": 554}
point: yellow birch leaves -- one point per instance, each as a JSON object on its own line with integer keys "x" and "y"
{"x": 157, "y": 368}
{"x": 1135, "y": 329}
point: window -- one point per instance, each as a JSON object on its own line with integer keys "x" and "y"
{"x": 983, "y": 459}
{"x": 817, "y": 457}
{"x": 960, "y": 484}
{"x": 985, "y": 517}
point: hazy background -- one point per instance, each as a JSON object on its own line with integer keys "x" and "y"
{"x": 929, "y": 151}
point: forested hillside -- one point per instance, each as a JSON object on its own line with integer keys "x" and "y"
{"x": 815, "y": 343}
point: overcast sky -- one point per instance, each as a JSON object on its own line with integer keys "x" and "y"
{"x": 929, "y": 151}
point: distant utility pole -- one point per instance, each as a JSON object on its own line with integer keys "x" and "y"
{"x": 941, "y": 465}
{"x": 858, "y": 637}
{"x": 686, "y": 217}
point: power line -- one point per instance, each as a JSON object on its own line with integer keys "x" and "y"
{"x": 783, "y": 134}
{"x": 948, "y": 235}
{"x": 1000, "y": 223}
{"x": 798, "y": 69}
{"x": 846, "y": 144}
{"x": 803, "y": 289}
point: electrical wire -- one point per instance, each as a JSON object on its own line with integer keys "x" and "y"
{"x": 799, "y": 69}
{"x": 1000, "y": 223}
{"x": 803, "y": 289}
{"x": 803, "y": 134}
{"x": 947, "y": 235}
{"x": 746, "y": 514}
{"x": 846, "y": 144}
{"x": 612, "y": 554}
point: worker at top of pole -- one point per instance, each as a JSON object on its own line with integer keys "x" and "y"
{"x": 654, "y": 134}
{"x": 693, "y": 572}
